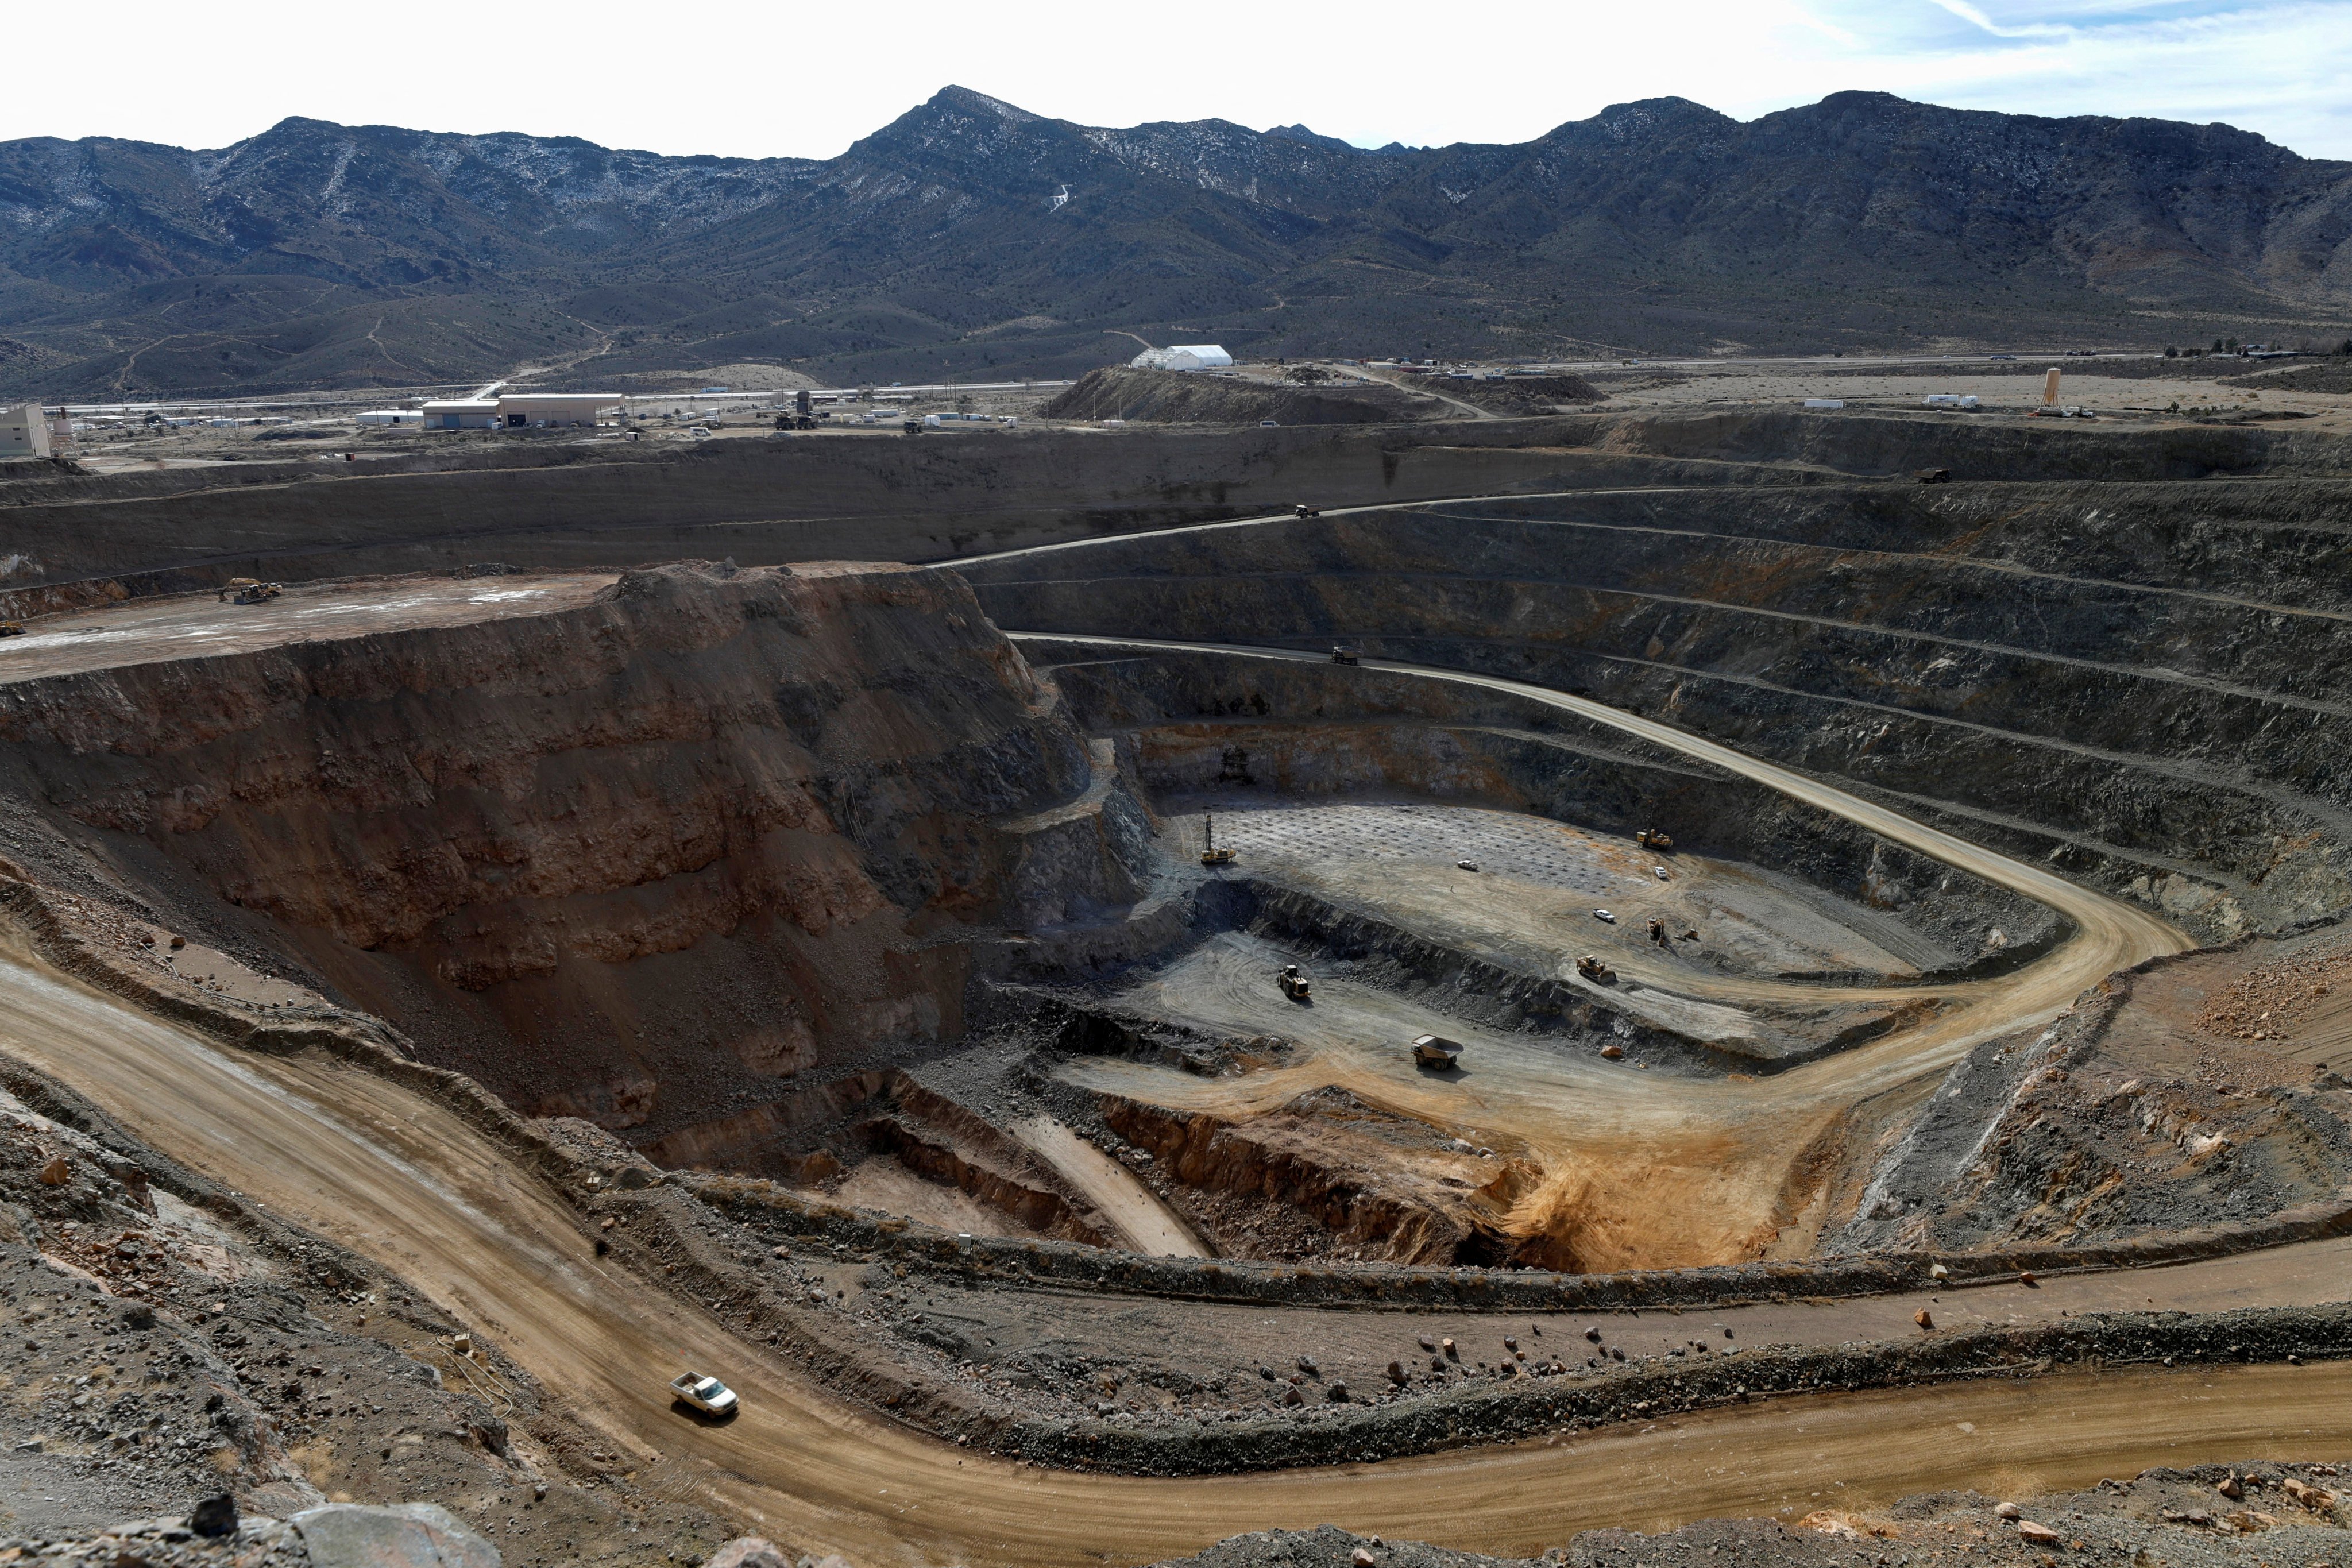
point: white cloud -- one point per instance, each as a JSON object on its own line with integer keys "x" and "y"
{"x": 805, "y": 80}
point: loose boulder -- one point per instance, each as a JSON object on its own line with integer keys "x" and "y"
{"x": 748, "y": 1552}
{"x": 401, "y": 1535}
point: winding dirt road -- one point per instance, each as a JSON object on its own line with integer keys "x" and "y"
{"x": 410, "y": 1185}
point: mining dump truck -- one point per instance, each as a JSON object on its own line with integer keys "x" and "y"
{"x": 1295, "y": 983}
{"x": 1342, "y": 654}
{"x": 1591, "y": 968}
{"x": 249, "y": 591}
{"x": 1435, "y": 1051}
{"x": 12, "y": 629}
{"x": 1650, "y": 839}
{"x": 1303, "y": 510}
{"x": 1209, "y": 854}
{"x": 1933, "y": 476}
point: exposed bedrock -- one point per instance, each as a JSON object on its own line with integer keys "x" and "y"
{"x": 1377, "y": 1184}
{"x": 2142, "y": 684}
{"x": 645, "y": 860}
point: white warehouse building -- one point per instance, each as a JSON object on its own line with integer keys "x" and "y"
{"x": 1183, "y": 356}
{"x": 519, "y": 410}
{"x": 24, "y": 431}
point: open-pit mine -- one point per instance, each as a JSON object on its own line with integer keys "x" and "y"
{"x": 1417, "y": 994}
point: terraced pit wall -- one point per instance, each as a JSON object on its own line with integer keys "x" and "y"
{"x": 1311, "y": 728}
{"x": 887, "y": 497}
{"x": 639, "y": 860}
{"x": 756, "y": 500}
{"x": 2139, "y": 683}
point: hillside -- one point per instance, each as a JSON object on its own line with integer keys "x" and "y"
{"x": 321, "y": 254}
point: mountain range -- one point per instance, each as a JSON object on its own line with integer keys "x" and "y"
{"x": 969, "y": 238}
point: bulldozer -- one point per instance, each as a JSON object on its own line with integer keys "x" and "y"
{"x": 1592, "y": 968}
{"x": 1295, "y": 983}
{"x": 1209, "y": 854}
{"x": 1650, "y": 839}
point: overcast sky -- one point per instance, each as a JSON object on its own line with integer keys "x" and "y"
{"x": 778, "y": 77}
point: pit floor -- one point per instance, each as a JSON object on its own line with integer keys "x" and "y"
{"x": 1538, "y": 882}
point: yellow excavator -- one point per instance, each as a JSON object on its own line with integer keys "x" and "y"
{"x": 249, "y": 591}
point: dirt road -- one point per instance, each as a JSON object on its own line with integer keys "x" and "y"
{"x": 196, "y": 626}
{"x": 1149, "y": 1225}
{"x": 410, "y": 1185}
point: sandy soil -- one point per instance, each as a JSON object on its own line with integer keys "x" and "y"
{"x": 150, "y": 631}
{"x": 882, "y": 1182}
{"x": 1149, "y": 1225}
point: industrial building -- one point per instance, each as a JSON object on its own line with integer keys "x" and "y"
{"x": 1183, "y": 356}
{"x": 520, "y": 411}
{"x": 24, "y": 431}
{"x": 462, "y": 414}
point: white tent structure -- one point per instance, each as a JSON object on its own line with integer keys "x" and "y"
{"x": 1184, "y": 356}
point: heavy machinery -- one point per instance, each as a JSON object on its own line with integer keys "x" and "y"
{"x": 1209, "y": 854}
{"x": 249, "y": 591}
{"x": 1435, "y": 1051}
{"x": 1342, "y": 654}
{"x": 1933, "y": 476}
{"x": 1658, "y": 932}
{"x": 1650, "y": 839}
{"x": 1303, "y": 510}
{"x": 12, "y": 629}
{"x": 1295, "y": 983}
{"x": 1591, "y": 968}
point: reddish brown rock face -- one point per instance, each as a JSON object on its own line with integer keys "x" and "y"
{"x": 669, "y": 840}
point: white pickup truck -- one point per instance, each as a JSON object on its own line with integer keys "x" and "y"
{"x": 705, "y": 1394}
